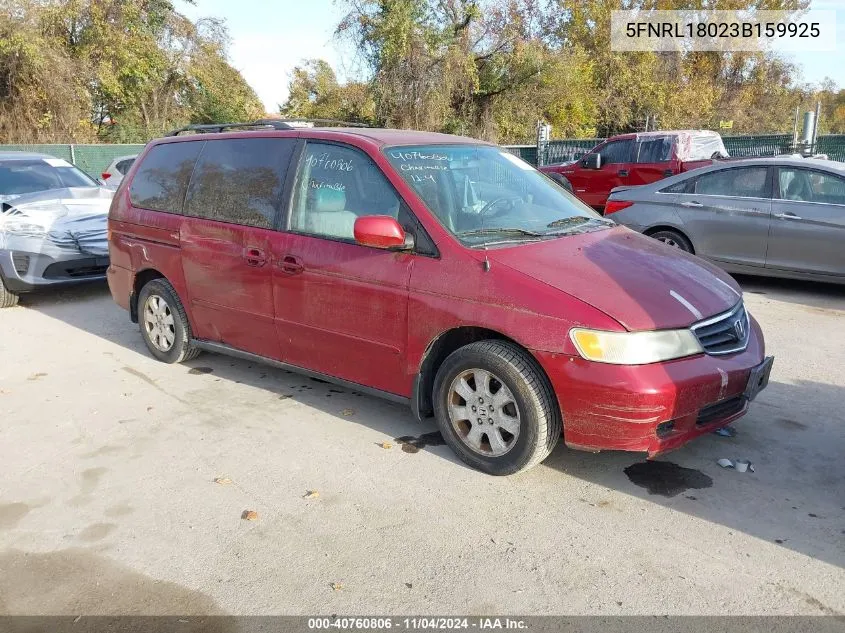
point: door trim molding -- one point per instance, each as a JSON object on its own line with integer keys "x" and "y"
{"x": 222, "y": 348}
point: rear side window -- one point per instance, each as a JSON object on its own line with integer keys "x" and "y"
{"x": 124, "y": 165}
{"x": 240, "y": 180}
{"x": 655, "y": 150}
{"x": 162, "y": 178}
{"x": 744, "y": 182}
{"x": 678, "y": 187}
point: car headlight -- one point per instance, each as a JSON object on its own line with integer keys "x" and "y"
{"x": 22, "y": 229}
{"x": 634, "y": 348}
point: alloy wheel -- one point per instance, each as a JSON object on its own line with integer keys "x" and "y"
{"x": 483, "y": 412}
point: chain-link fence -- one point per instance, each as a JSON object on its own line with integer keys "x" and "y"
{"x": 562, "y": 151}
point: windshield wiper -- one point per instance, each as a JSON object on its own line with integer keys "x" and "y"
{"x": 576, "y": 224}
{"x": 500, "y": 231}
{"x": 575, "y": 219}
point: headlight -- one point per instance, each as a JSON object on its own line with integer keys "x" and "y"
{"x": 634, "y": 348}
{"x": 22, "y": 229}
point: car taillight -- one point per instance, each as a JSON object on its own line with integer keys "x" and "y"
{"x": 613, "y": 206}
{"x": 105, "y": 175}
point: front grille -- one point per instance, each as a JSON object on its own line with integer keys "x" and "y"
{"x": 720, "y": 410}
{"x": 725, "y": 333}
{"x": 77, "y": 269}
{"x": 21, "y": 263}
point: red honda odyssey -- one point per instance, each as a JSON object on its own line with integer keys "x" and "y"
{"x": 436, "y": 271}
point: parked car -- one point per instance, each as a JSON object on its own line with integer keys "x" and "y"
{"x": 52, "y": 225}
{"x": 436, "y": 271}
{"x": 780, "y": 217}
{"x": 636, "y": 159}
{"x": 116, "y": 170}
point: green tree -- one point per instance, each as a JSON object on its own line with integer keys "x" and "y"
{"x": 315, "y": 93}
{"x": 135, "y": 67}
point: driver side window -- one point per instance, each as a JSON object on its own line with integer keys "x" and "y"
{"x": 335, "y": 186}
{"x": 617, "y": 152}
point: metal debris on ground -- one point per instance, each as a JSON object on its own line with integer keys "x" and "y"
{"x": 386, "y": 445}
{"x": 223, "y": 481}
{"x": 725, "y": 431}
{"x": 740, "y": 465}
{"x": 311, "y": 494}
{"x": 336, "y": 586}
{"x": 249, "y": 515}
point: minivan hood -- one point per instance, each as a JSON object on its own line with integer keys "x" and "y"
{"x": 640, "y": 282}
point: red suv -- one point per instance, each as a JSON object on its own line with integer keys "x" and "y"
{"x": 437, "y": 271}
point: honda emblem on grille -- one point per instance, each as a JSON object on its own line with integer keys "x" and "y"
{"x": 739, "y": 329}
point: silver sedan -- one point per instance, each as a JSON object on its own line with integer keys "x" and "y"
{"x": 779, "y": 217}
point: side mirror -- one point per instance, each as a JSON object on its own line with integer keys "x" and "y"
{"x": 592, "y": 161}
{"x": 382, "y": 231}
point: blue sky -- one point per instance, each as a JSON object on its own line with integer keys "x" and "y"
{"x": 270, "y": 37}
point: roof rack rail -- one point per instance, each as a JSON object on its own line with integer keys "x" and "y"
{"x": 276, "y": 124}
{"x": 335, "y": 121}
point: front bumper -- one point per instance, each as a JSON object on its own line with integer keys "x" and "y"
{"x": 24, "y": 271}
{"x": 651, "y": 408}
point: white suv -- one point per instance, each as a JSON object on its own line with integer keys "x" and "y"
{"x": 115, "y": 172}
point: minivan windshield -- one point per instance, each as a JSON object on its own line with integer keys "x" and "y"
{"x": 484, "y": 195}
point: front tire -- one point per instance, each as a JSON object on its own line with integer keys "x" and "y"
{"x": 563, "y": 181}
{"x": 164, "y": 324}
{"x": 8, "y": 298}
{"x": 495, "y": 408}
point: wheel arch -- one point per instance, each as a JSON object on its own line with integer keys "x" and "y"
{"x": 670, "y": 227}
{"x": 142, "y": 278}
{"x": 444, "y": 344}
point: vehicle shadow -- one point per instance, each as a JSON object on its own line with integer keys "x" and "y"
{"x": 794, "y": 434}
{"x": 90, "y": 308}
{"x": 812, "y": 294}
{"x": 796, "y": 495}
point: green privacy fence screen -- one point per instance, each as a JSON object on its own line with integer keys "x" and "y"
{"x": 93, "y": 159}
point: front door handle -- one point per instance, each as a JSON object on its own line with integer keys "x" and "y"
{"x": 622, "y": 172}
{"x": 787, "y": 216}
{"x": 691, "y": 203}
{"x": 254, "y": 257}
{"x": 291, "y": 265}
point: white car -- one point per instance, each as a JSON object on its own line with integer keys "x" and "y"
{"x": 116, "y": 170}
{"x": 52, "y": 225}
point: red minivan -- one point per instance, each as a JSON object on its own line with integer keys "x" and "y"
{"x": 437, "y": 271}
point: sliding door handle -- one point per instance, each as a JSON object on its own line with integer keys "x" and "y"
{"x": 291, "y": 265}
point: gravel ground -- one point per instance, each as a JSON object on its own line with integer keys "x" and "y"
{"x": 108, "y": 502}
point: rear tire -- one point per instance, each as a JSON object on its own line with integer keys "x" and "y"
{"x": 674, "y": 239}
{"x": 495, "y": 407}
{"x": 8, "y": 298}
{"x": 164, "y": 324}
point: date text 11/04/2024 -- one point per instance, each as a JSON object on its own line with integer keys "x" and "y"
{"x": 421, "y": 623}
{"x": 722, "y": 29}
